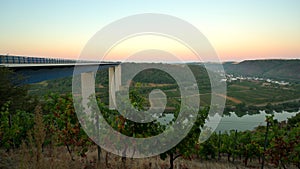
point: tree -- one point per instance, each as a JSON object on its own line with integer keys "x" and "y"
{"x": 15, "y": 105}
{"x": 62, "y": 121}
{"x": 209, "y": 147}
{"x": 13, "y": 90}
{"x": 188, "y": 146}
{"x": 14, "y": 128}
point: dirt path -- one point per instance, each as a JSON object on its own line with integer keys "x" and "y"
{"x": 235, "y": 100}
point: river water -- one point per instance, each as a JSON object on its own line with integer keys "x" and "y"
{"x": 249, "y": 122}
{"x": 246, "y": 122}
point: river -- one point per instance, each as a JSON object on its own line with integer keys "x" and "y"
{"x": 249, "y": 122}
{"x": 246, "y": 122}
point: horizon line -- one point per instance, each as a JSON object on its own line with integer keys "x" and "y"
{"x": 145, "y": 61}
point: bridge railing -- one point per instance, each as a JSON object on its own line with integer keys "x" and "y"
{"x": 6, "y": 59}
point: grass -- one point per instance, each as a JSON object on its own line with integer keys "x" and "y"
{"x": 58, "y": 158}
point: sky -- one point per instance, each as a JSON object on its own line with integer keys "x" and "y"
{"x": 237, "y": 29}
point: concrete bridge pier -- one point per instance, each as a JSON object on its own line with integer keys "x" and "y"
{"x": 114, "y": 85}
{"x": 87, "y": 88}
{"x": 88, "y": 85}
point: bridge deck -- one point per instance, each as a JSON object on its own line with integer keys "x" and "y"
{"x": 23, "y": 62}
{"x": 55, "y": 65}
{"x": 9, "y": 59}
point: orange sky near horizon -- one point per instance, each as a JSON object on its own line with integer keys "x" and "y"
{"x": 231, "y": 50}
{"x": 238, "y": 30}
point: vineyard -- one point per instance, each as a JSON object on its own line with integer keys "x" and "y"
{"x": 54, "y": 124}
{"x": 47, "y": 134}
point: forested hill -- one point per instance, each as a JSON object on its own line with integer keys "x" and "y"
{"x": 275, "y": 69}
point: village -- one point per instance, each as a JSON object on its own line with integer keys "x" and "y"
{"x": 267, "y": 81}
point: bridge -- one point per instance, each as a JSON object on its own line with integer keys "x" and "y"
{"x": 8, "y": 59}
{"x": 36, "y": 69}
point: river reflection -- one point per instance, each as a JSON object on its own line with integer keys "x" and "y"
{"x": 249, "y": 122}
{"x": 233, "y": 122}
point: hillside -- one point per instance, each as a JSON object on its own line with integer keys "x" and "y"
{"x": 276, "y": 69}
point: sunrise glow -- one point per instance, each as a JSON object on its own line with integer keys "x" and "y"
{"x": 238, "y": 30}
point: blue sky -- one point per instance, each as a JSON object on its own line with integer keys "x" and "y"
{"x": 237, "y": 29}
